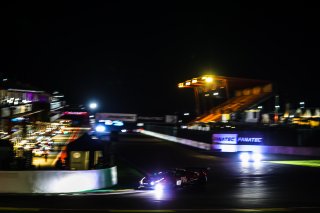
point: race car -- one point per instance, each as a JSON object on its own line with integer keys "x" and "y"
{"x": 171, "y": 178}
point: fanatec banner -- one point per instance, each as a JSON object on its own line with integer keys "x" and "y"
{"x": 238, "y": 138}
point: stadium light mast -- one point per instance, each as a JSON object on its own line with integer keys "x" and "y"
{"x": 93, "y": 105}
{"x": 203, "y": 84}
{"x": 92, "y": 108}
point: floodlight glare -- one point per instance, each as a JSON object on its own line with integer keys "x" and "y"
{"x": 93, "y": 105}
{"x": 100, "y": 128}
{"x": 209, "y": 79}
{"x": 244, "y": 156}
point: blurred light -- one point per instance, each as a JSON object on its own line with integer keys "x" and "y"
{"x": 158, "y": 187}
{"x": 209, "y": 79}
{"x": 158, "y": 191}
{"x": 257, "y": 164}
{"x": 123, "y": 130}
{"x": 206, "y": 95}
{"x": 245, "y": 164}
{"x": 256, "y": 157}
{"x": 93, "y": 105}
{"x": 91, "y": 116}
{"x": 248, "y": 156}
{"x": 259, "y": 107}
{"x": 188, "y": 83}
{"x": 180, "y": 85}
{"x": 100, "y": 128}
{"x": 194, "y": 81}
{"x": 108, "y": 122}
{"x": 244, "y": 156}
{"x": 140, "y": 124}
{"x": 17, "y": 119}
{"x": 215, "y": 93}
{"x": 75, "y": 113}
{"x": 141, "y": 181}
{"x": 186, "y": 113}
{"x": 117, "y": 123}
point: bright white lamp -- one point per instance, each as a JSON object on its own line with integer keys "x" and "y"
{"x": 93, "y": 105}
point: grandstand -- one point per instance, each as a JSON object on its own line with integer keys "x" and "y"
{"x": 247, "y": 94}
{"x": 243, "y": 100}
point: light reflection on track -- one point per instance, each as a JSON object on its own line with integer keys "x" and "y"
{"x": 158, "y": 195}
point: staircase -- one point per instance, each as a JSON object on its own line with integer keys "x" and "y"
{"x": 244, "y": 99}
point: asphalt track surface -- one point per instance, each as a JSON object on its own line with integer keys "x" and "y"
{"x": 232, "y": 186}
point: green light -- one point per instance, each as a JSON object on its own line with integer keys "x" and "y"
{"x": 310, "y": 163}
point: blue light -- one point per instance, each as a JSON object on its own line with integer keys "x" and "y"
{"x": 117, "y": 123}
{"x": 100, "y": 128}
{"x": 17, "y": 119}
{"x": 108, "y": 122}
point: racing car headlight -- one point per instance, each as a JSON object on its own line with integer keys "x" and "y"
{"x": 256, "y": 157}
{"x": 152, "y": 183}
{"x": 158, "y": 187}
{"x": 249, "y": 156}
{"x": 244, "y": 156}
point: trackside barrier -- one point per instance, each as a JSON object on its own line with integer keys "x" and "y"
{"x": 57, "y": 181}
{"x": 290, "y": 150}
{"x": 188, "y": 142}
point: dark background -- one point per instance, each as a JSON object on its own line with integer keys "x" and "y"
{"x": 130, "y": 57}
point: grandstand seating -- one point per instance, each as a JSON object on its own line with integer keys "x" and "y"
{"x": 243, "y": 99}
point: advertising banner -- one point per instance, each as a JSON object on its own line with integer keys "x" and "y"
{"x": 246, "y": 138}
{"x": 116, "y": 116}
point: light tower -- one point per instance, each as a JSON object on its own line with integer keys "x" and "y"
{"x": 205, "y": 83}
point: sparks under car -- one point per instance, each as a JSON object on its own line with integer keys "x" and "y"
{"x": 174, "y": 178}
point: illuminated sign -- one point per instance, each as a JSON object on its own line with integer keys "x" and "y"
{"x": 116, "y": 116}
{"x": 250, "y": 140}
{"x": 75, "y": 113}
{"x": 225, "y": 138}
{"x": 55, "y": 105}
{"x": 236, "y": 139}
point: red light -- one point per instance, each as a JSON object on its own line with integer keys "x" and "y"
{"x": 75, "y": 113}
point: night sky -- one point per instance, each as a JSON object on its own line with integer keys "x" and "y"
{"x": 129, "y": 58}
